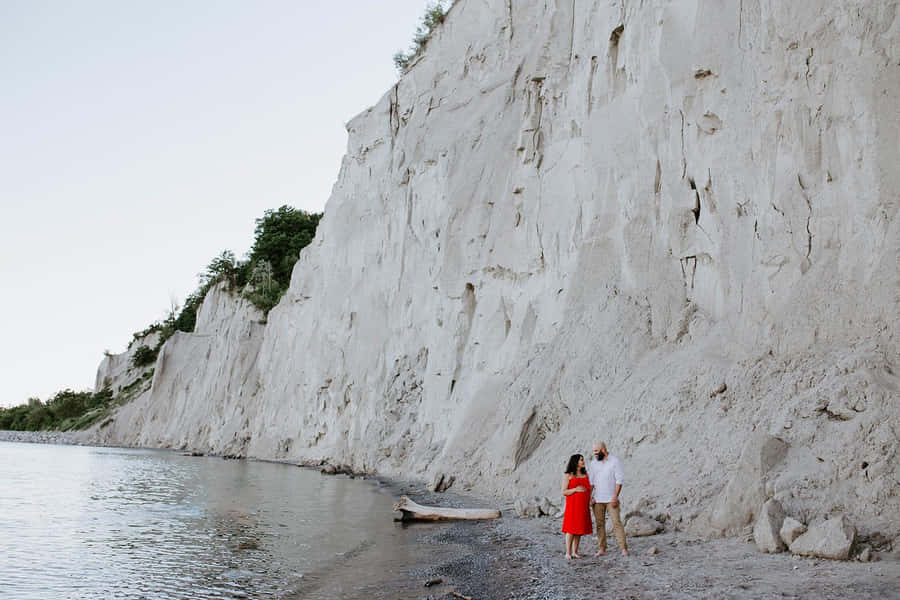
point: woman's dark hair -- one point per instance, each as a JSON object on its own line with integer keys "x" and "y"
{"x": 572, "y": 467}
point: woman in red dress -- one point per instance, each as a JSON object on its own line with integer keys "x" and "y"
{"x": 576, "y": 488}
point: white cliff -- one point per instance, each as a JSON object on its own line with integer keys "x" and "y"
{"x": 669, "y": 225}
{"x": 120, "y": 368}
{"x": 203, "y": 383}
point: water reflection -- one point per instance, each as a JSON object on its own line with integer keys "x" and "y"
{"x": 112, "y": 523}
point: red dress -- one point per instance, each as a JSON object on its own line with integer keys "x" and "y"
{"x": 577, "y": 516}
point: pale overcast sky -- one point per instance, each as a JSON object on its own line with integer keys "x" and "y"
{"x": 138, "y": 139}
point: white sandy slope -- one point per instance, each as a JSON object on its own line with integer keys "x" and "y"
{"x": 669, "y": 225}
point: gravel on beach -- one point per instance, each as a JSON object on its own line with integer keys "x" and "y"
{"x": 523, "y": 559}
{"x": 69, "y": 438}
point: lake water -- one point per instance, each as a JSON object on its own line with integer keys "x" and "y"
{"x": 82, "y": 522}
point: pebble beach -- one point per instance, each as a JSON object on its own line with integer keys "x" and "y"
{"x": 516, "y": 558}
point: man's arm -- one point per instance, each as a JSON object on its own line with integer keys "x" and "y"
{"x": 620, "y": 478}
{"x": 591, "y": 476}
{"x": 615, "y": 499}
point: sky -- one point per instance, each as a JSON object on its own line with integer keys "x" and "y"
{"x": 139, "y": 139}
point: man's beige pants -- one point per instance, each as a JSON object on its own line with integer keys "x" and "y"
{"x": 600, "y": 509}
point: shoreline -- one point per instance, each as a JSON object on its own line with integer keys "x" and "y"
{"x": 522, "y": 558}
{"x": 63, "y": 438}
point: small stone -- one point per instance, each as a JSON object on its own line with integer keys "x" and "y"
{"x": 653, "y": 550}
{"x": 434, "y": 581}
{"x": 528, "y": 508}
{"x": 545, "y": 506}
{"x": 878, "y": 542}
{"x": 639, "y": 526}
{"x": 791, "y": 529}
{"x": 865, "y": 555}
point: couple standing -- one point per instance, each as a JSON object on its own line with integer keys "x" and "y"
{"x": 596, "y": 487}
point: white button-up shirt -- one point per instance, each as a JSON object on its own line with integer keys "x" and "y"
{"x": 604, "y": 476}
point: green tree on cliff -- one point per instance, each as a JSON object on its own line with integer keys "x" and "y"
{"x": 279, "y": 237}
{"x": 435, "y": 13}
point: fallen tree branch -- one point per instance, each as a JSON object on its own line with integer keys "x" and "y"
{"x": 416, "y": 512}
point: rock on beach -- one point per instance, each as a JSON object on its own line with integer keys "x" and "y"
{"x": 791, "y": 529}
{"x": 832, "y": 539}
{"x": 537, "y": 506}
{"x": 767, "y": 530}
{"x": 639, "y": 526}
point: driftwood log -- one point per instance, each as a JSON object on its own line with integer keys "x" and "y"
{"x": 410, "y": 511}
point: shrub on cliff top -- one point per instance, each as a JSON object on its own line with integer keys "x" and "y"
{"x": 225, "y": 267}
{"x": 143, "y": 356}
{"x": 187, "y": 318}
{"x": 435, "y": 13}
{"x": 279, "y": 237}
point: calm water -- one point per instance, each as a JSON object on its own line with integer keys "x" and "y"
{"x": 79, "y": 522}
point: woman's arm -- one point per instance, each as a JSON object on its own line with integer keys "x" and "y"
{"x": 567, "y": 491}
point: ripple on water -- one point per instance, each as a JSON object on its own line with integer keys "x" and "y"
{"x": 85, "y": 523}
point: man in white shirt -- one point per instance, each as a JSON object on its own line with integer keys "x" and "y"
{"x": 605, "y": 473}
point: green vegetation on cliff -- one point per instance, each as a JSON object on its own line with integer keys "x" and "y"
{"x": 262, "y": 277}
{"x": 144, "y": 356}
{"x": 435, "y": 13}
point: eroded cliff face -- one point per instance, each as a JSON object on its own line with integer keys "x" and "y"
{"x": 118, "y": 373}
{"x": 203, "y": 383}
{"x": 668, "y": 225}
